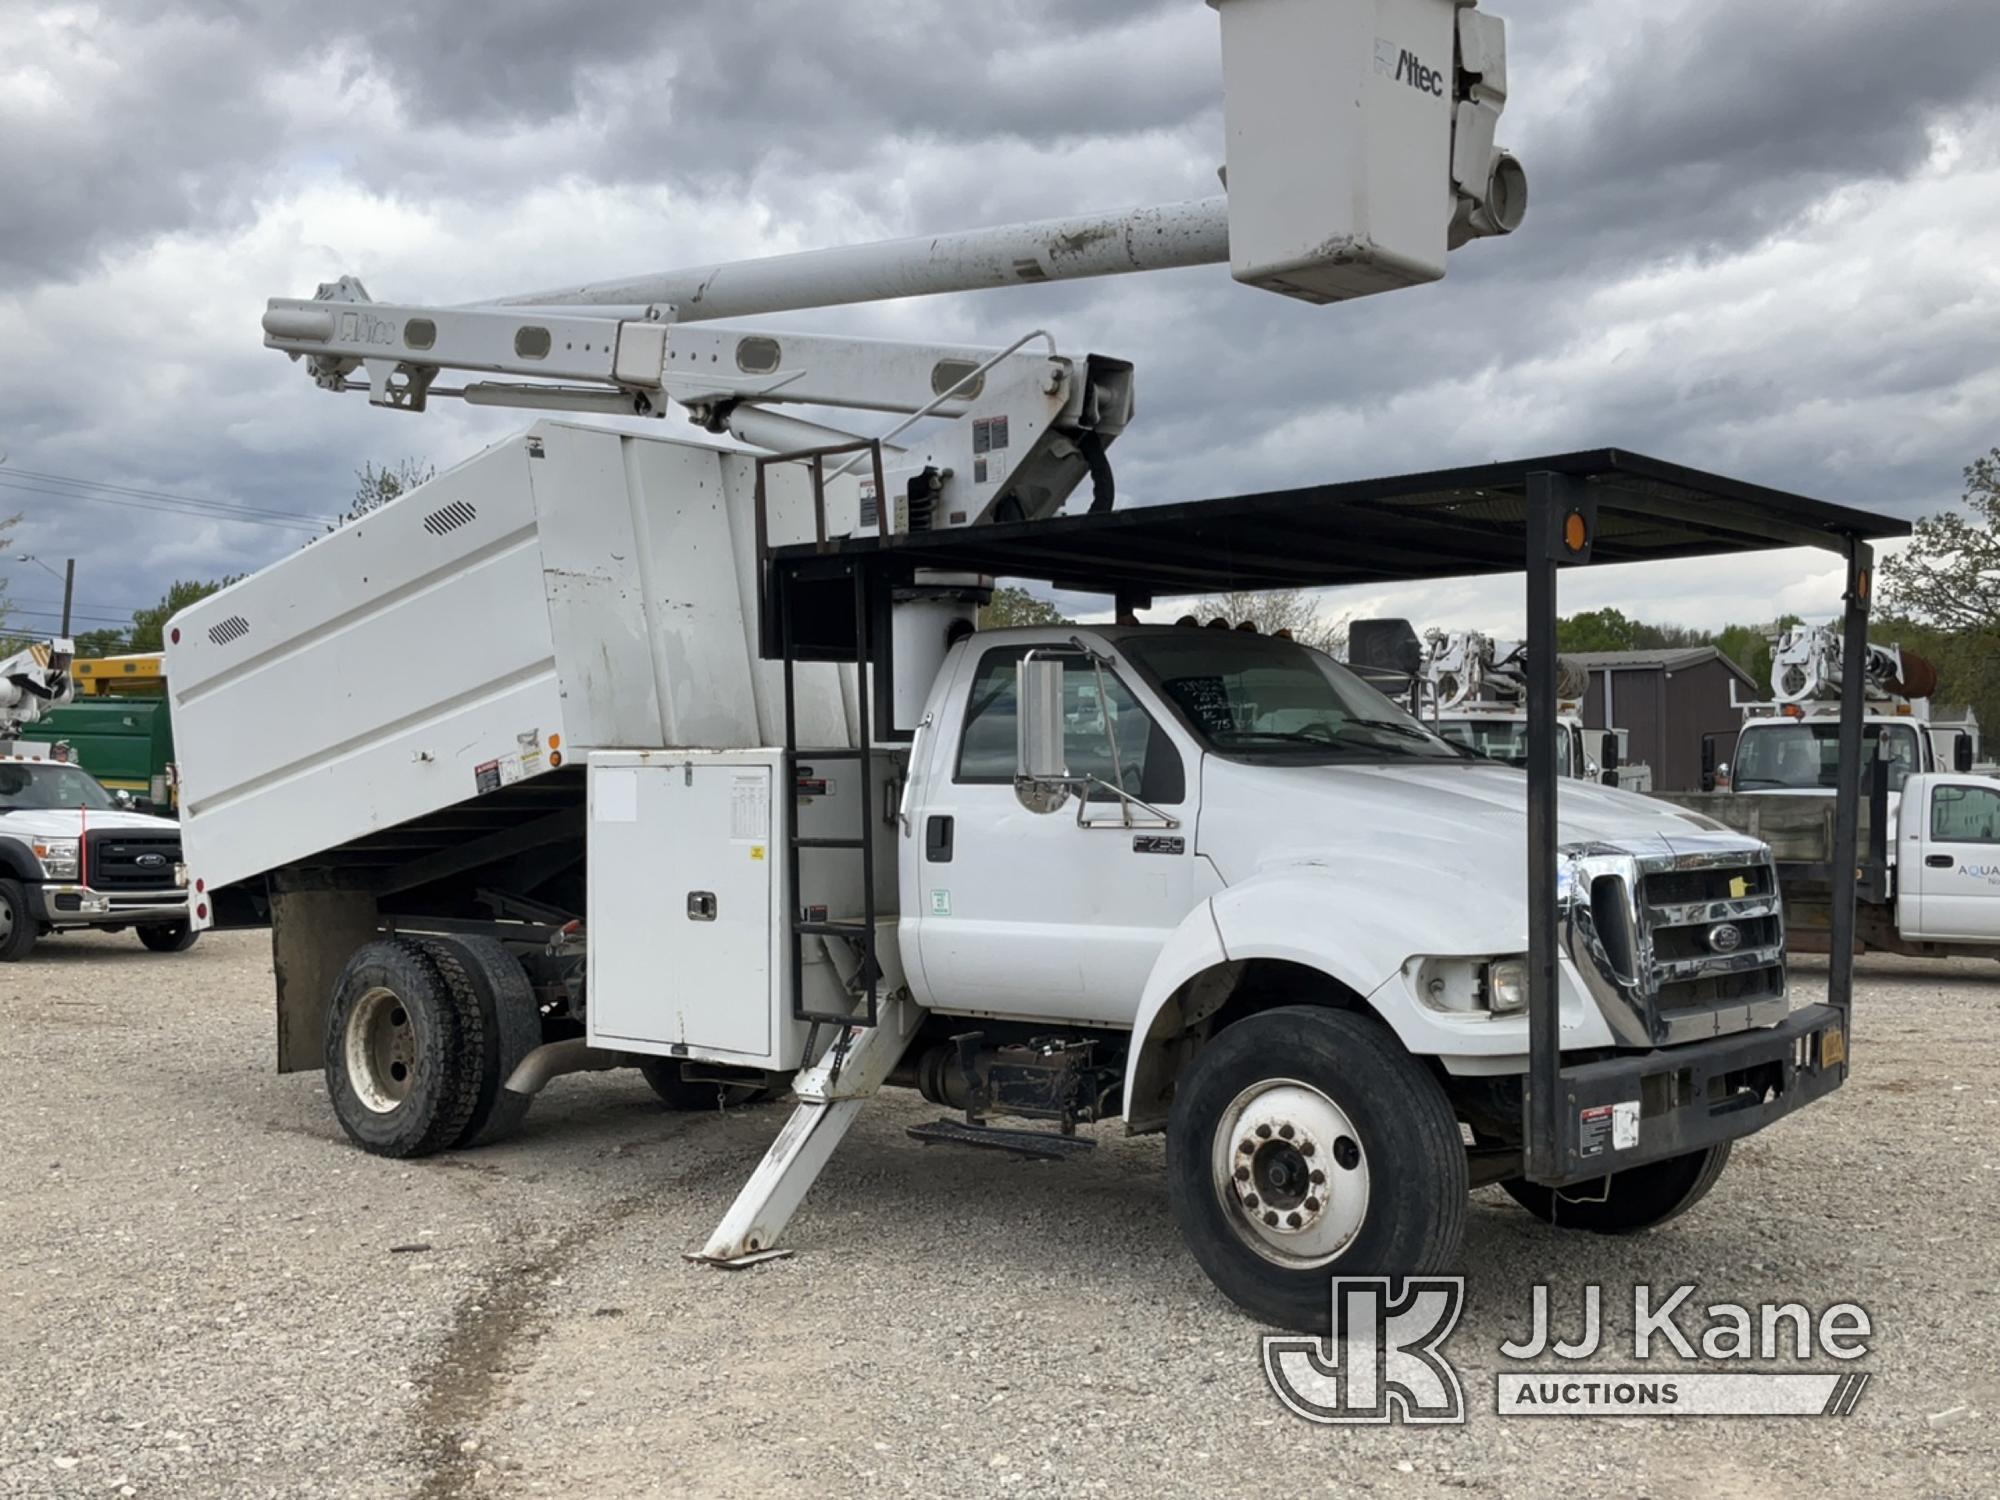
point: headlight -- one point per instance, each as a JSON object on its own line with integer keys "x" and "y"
{"x": 58, "y": 857}
{"x": 1507, "y": 986}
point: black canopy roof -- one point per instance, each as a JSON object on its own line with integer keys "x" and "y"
{"x": 1450, "y": 523}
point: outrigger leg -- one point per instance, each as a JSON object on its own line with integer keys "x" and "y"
{"x": 830, "y": 1095}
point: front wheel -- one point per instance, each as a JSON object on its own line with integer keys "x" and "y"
{"x": 1628, "y": 1201}
{"x": 1305, "y": 1143}
{"x": 17, "y": 923}
{"x": 177, "y": 938}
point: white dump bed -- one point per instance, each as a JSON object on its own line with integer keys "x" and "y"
{"x": 569, "y": 589}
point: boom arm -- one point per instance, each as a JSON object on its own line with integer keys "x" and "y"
{"x": 1361, "y": 151}
{"x": 33, "y": 681}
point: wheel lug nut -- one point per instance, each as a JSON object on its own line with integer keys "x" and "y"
{"x": 1263, "y": 1132}
{"x": 1293, "y": 1220}
{"x": 1271, "y": 1219}
{"x": 1286, "y": 1131}
{"x": 1312, "y": 1205}
{"x": 1318, "y": 1177}
{"x": 1306, "y": 1147}
{"x": 1247, "y": 1147}
{"x": 1249, "y": 1200}
{"x": 1242, "y": 1174}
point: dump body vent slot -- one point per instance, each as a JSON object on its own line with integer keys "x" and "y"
{"x": 232, "y": 629}
{"x": 450, "y": 517}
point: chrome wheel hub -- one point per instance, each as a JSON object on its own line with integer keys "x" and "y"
{"x": 1290, "y": 1173}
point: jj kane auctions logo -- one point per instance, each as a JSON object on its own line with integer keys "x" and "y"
{"x": 1385, "y": 1360}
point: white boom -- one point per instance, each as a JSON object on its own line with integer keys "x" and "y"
{"x": 33, "y": 681}
{"x": 1360, "y": 153}
{"x": 1806, "y": 668}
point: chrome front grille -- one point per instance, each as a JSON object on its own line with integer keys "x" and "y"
{"x": 1677, "y": 937}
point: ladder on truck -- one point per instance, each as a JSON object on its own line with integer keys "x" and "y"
{"x": 807, "y": 923}
{"x": 870, "y": 1039}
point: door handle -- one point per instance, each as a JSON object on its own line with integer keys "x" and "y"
{"x": 701, "y": 906}
{"x": 937, "y": 839}
{"x": 1939, "y": 861}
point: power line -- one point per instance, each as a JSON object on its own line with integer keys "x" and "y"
{"x": 151, "y": 494}
{"x": 202, "y": 510}
{"x": 76, "y": 617}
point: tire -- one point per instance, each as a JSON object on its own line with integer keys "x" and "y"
{"x": 1635, "y": 1199}
{"x": 402, "y": 1051}
{"x": 484, "y": 975}
{"x": 177, "y": 938}
{"x": 17, "y": 923}
{"x": 663, "y": 1074}
{"x": 1360, "y": 1105}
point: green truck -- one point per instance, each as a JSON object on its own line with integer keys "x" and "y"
{"x": 127, "y": 743}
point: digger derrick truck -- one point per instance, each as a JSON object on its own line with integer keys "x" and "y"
{"x": 709, "y": 770}
{"x": 73, "y": 855}
{"x": 1929, "y": 829}
{"x": 1471, "y": 689}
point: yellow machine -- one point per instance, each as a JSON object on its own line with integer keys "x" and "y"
{"x": 144, "y": 675}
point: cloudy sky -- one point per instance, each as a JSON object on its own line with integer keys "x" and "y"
{"x": 1763, "y": 241}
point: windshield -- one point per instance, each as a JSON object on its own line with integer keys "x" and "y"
{"x": 1790, "y": 754}
{"x": 42, "y": 786}
{"x": 1504, "y": 740}
{"x": 1255, "y": 697}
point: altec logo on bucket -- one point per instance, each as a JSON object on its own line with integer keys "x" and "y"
{"x": 1401, "y": 64}
{"x": 1385, "y": 1361}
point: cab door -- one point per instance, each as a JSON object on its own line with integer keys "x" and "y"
{"x": 1948, "y": 859}
{"x": 1027, "y": 914}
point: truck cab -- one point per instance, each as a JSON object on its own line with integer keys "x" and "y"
{"x": 1244, "y": 803}
{"x": 73, "y": 857}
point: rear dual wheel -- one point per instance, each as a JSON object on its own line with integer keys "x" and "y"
{"x": 421, "y": 1036}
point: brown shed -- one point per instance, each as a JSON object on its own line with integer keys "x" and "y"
{"x": 1665, "y": 700}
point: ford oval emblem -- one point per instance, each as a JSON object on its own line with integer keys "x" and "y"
{"x": 150, "y": 861}
{"x": 1725, "y": 937}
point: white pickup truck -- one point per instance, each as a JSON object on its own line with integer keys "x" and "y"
{"x": 72, "y": 858}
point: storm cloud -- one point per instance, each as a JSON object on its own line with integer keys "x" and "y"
{"x": 1761, "y": 240}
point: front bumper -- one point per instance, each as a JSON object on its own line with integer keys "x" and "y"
{"x": 1642, "y": 1107}
{"x": 72, "y": 905}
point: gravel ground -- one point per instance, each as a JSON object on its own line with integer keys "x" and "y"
{"x": 205, "y": 1291}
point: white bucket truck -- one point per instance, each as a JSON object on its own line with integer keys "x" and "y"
{"x": 602, "y": 749}
{"x": 1929, "y": 827}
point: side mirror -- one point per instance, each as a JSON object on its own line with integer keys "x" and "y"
{"x": 1708, "y": 771}
{"x": 1607, "y": 757}
{"x": 1041, "y": 759}
{"x": 1961, "y": 753}
{"x": 123, "y": 798}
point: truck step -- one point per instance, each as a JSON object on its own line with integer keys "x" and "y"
{"x": 1038, "y": 1145}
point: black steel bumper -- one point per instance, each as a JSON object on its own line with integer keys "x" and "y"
{"x": 1645, "y": 1106}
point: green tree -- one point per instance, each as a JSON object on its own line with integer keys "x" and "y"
{"x": 107, "y": 642}
{"x": 1598, "y": 630}
{"x": 375, "y": 487}
{"x": 1949, "y": 578}
{"x": 1012, "y": 605}
{"x": 1296, "y": 612}
{"x": 149, "y": 625}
